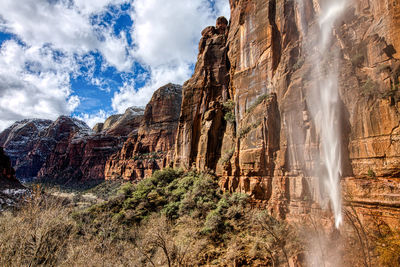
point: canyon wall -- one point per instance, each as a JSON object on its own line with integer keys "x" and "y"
{"x": 82, "y": 157}
{"x": 7, "y": 173}
{"x": 245, "y": 112}
{"x": 131, "y": 145}
{"x": 149, "y": 147}
{"x": 30, "y": 142}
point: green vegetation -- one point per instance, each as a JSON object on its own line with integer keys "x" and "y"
{"x": 371, "y": 173}
{"x": 149, "y": 156}
{"x": 368, "y": 88}
{"x": 245, "y": 130}
{"x": 258, "y": 101}
{"x": 298, "y": 64}
{"x": 229, "y": 108}
{"x": 174, "y": 218}
{"x": 226, "y": 157}
{"x": 171, "y": 219}
{"x": 388, "y": 248}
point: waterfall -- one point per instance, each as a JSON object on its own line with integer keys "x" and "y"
{"x": 323, "y": 101}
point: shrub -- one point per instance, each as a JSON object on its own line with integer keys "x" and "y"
{"x": 371, "y": 173}
{"x": 226, "y": 157}
{"x": 368, "y": 88}
{"x": 230, "y": 117}
{"x": 229, "y": 109}
{"x": 357, "y": 59}
{"x": 258, "y": 101}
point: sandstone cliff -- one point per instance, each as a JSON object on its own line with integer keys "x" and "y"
{"x": 247, "y": 105}
{"x": 201, "y": 123}
{"x": 82, "y": 156}
{"x": 30, "y": 142}
{"x": 151, "y": 146}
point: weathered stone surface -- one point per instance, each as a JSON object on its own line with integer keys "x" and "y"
{"x": 20, "y": 138}
{"x": 270, "y": 144}
{"x": 7, "y": 173}
{"x": 80, "y": 158}
{"x": 201, "y": 123}
{"x": 122, "y": 125}
{"x": 30, "y": 142}
{"x": 83, "y": 156}
{"x": 151, "y": 146}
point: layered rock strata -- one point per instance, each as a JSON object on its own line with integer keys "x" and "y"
{"x": 151, "y": 146}
{"x": 201, "y": 123}
{"x": 82, "y": 157}
{"x": 245, "y": 112}
{"x": 30, "y": 142}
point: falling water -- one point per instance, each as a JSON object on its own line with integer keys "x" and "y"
{"x": 323, "y": 102}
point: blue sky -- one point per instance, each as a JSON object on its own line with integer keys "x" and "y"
{"x": 94, "y": 58}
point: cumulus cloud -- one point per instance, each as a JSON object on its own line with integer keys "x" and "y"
{"x": 32, "y": 84}
{"x": 56, "y": 38}
{"x": 127, "y": 97}
{"x": 166, "y": 41}
{"x": 93, "y": 119}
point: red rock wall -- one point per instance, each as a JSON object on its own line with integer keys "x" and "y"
{"x": 270, "y": 146}
{"x": 7, "y": 173}
{"x": 151, "y": 146}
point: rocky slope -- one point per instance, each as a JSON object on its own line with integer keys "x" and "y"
{"x": 30, "y": 142}
{"x": 10, "y": 188}
{"x": 245, "y": 111}
{"x": 7, "y": 173}
{"x": 82, "y": 156}
{"x": 151, "y": 146}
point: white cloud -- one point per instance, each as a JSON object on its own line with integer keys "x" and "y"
{"x": 42, "y": 91}
{"x": 166, "y": 41}
{"x": 57, "y": 36}
{"x": 127, "y": 97}
{"x": 93, "y": 119}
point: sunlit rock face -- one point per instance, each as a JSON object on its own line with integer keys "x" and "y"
{"x": 83, "y": 155}
{"x": 30, "y": 142}
{"x": 201, "y": 122}
{"x": 149, "y": 147}
{"x": 271, "y": 148}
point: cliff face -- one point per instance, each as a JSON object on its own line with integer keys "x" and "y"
{"x": 246, "y": 112}
{"x": 151, "y": 146}
{"x": 201, "y": 123}
{"x": 7, "y": 173}
{"x": 11, "y": 190}
{"x": 82, "y": 156}
{"x": 30, "y": 142}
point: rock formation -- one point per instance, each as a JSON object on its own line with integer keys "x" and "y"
{"x": 7, "y": 173}
{"x": 201, "y": 123}
{"x": 30, "y": 142}
{"x": 11, "y": 190}
{"x": 245, "y": 112}
{"x": 82, "y": 157}
{"x": 151, "y": 146}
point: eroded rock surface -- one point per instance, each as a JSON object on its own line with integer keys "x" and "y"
{"x": 245, "y": 111}
{"x": 151, "y": 146}
{"x": 201, "y": 123}
{"x": 82, "y": 157}
{"x": 30, "y": 142}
